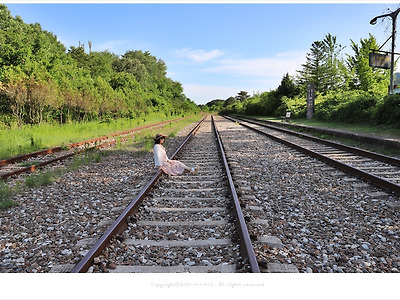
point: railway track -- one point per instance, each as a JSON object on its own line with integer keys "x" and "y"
{"x": 33, "y": 161}
{"x": 188, "y": 223}
{"x": 380, "y": 170}
{"x": 301, "y": 216}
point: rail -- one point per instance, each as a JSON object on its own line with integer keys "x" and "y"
{"x": 36, "y": 166}
{"x": 120, "y": 224}
{"x": 378, "y": 181}
{"x": 246, "y": 246}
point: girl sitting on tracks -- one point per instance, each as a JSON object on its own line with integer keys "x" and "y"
{"x": 170, "y": 167}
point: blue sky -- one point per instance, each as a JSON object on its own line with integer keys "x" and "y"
{"x": 214, "y": 50}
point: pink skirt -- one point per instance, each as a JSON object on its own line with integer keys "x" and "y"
{"x": 173, "y": 168}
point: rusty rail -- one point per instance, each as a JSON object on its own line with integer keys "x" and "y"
{"x": 18, "y": 158}
{"x": 36, "y": 166}
{"x": 246, "y": 247}
{"x": 121, "y": 223}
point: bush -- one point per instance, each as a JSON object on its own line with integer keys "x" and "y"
{"x": 360, "y": 110}
{"x": 388, "y": 111}
{"x": 347, "y": 107}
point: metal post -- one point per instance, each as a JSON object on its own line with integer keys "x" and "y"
{"x": 392, "y": 58}
{"x": 393, "y": 15}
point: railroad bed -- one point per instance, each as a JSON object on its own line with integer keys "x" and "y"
{"x": 184, "y": 224}
{"x": 303, "y": 215}
{"x": 325, "y": 219}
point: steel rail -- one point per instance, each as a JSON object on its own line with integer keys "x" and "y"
{"x": 38, "y": 165}
{"x": 378, "y": 181}
{"x": 121, "y": 223}
{"x": 18, "y": 158}
{"x": 366, "y": 153}
{"x": 246, "y": 247}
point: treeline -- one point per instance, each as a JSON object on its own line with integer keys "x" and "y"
{"x": 40, "y": 81}
{"x": 347, "y": 88}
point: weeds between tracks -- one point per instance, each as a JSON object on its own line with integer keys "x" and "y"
{"x": 142, "y": 142}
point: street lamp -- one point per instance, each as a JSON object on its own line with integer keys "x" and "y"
{"x": 393, "y": 15}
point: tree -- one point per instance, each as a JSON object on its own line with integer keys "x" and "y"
{"x": 363, "y": 76}
{"x": 324, "y": 66}
{"x": 333, "y": 63}
{"x": 242, "y": 95}
{"x": 229, "y": 101}
{"x": 287, "y": 87}
{"x": 313, "y": 69}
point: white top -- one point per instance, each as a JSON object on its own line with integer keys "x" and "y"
{"x": 160, "y": 155}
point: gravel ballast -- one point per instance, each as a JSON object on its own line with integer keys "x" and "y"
{"x": 326, "y": 220}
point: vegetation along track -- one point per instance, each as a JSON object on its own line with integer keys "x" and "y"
{"x": 302, "y": 215}
{"x": 188, "y": 223}
{"x": 33, "y": 161}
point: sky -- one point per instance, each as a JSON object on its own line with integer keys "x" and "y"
{"x": 215, "y": 50}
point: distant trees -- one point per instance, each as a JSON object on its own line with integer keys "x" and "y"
{"x": 41, "y": 81}
{"x": 329, "y": 71}
{"x": 242, "y": 95}
{"x": 347, "y": 88}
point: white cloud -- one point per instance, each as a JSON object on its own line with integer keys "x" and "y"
{"x": 199, "y": 55}
{"x": 113, "y": 46}
{"x": 260, "y": 67}
{"x": 228, "y": 76}
{"x": 202, "y": 94}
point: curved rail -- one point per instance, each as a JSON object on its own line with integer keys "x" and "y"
{"x": 120, "y": 224}
{"x": 378, "y": 181}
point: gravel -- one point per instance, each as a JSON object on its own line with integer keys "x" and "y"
{"x": 57, "y": 224}
{"x": 327, "y": 221}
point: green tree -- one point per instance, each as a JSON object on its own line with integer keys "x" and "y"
{"x": 242, "y": 96}
{"x": 314, "y": 69}
{"x": 363, "y": 76}
{"x": 333, "y": 63}
{"x": 287, "y": 87}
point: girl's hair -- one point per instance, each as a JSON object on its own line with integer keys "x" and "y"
{"x": 158, "y": 138}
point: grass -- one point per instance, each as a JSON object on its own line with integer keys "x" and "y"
{"x": 29, "y": 138}
{"x": 5, "y": 196}
{"x": 143, "y": 141}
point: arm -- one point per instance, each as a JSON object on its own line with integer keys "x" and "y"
{"x": 158, "y": 156}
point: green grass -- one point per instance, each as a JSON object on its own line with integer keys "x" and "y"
{"x": 363, "y": 128}
{"x": 29, "y": 138}
{"x": 5, "y": 196}
{"x": 143, "y": 142}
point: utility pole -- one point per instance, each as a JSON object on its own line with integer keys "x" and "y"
{"x": 393, "y": 15}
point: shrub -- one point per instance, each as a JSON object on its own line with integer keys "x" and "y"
{"x": 360, "y": 110}
{"x": 388, "y": 111}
